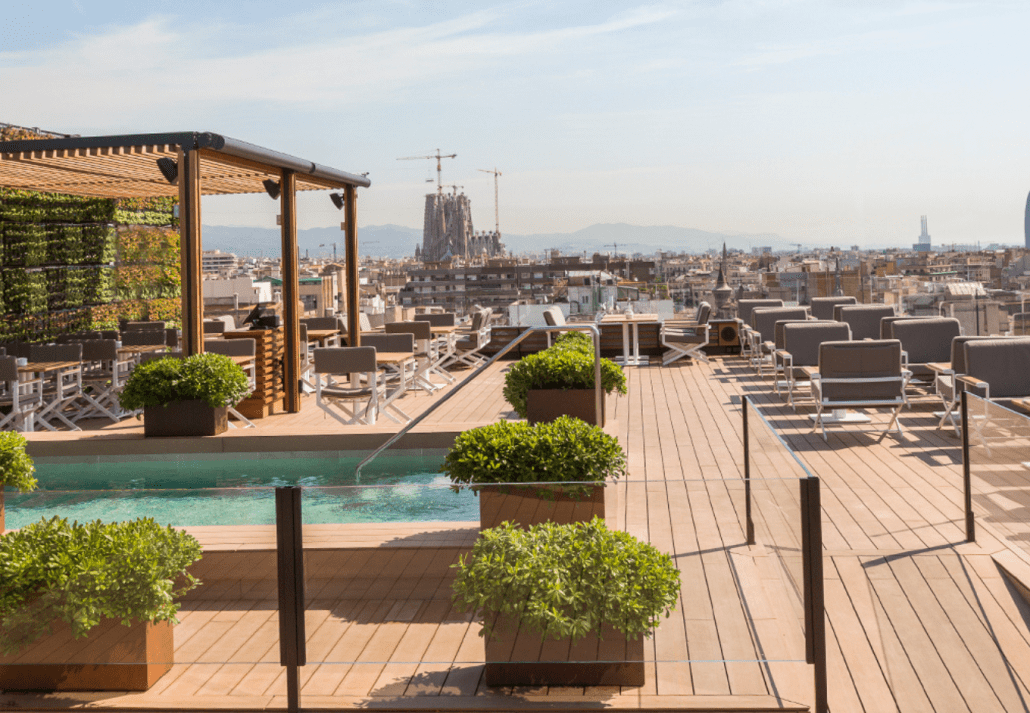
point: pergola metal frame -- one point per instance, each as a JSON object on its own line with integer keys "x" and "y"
{"x": 125, "y": 166}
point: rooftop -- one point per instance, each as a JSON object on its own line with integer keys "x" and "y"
{"x": 917, "y": 619}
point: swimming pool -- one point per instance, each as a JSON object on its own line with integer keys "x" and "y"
{"x": 238, "y": 488}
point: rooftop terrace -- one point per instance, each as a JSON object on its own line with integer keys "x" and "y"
{"x": 917, "y": 619}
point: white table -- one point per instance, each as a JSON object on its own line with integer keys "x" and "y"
{"x": 631, "y": 324}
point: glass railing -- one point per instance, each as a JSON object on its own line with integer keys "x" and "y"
{"x": 785, "y": 519}
{"x": 382, "y": 621}
{"x": 998, "y": 437}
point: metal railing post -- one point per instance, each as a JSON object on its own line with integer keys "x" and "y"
{"x": 290, "y": 561}
{"x": 749, "y": 522}
{"x": 815, "y": 613}
{"x": 967, "y": 480}
{"x": 592, "y": 329}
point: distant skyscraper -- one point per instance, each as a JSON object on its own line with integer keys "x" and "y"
{"x": 924, "y": 238}
{"x": 1026, "y": 222}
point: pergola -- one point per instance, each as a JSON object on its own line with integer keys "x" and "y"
{"x": 190, "y": 164}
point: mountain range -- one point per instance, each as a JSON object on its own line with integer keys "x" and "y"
{"x": 396, "y": 241}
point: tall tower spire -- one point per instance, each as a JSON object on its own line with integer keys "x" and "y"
{"x": 1026, "y": 222}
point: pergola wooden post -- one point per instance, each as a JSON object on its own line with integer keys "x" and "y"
{"x": 147, "y": 165}
{"x": 189, "y": 251}
{"x": 291, "y": 292}
{"x": 353, "y": 291}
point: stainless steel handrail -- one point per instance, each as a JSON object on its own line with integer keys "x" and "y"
{"x": 595, "y": 333}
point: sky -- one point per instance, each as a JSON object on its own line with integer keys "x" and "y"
{"x": 824, "y": 122}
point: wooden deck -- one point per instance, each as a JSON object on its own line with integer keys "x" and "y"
{"x": 917, "y": 620}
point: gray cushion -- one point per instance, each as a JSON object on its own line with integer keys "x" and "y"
{"x": 822, "y": 307}
{"x": 802, "y": 339}
{"x": 864, "y": 320}
{"x": 404, "y": 342}
{"x": 926, "y": 340}
{"x": 764, "y": 319}
{"x": 1002, "y": 363}
{"x": 745, "y": 307}
{"x": 878, "y": 358}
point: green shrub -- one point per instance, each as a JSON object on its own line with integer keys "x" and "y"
{"x": 16, "y": 466}
{"x": 564, "y": 450}
{"x": 82, "y": 573}
{"x": 565, "y": 581}
{"x": 566, "y": 366}
{"x": 212, "y": 378}
{"x": 574, "y": 340}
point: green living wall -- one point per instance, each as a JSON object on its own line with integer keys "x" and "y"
{"x": 70, "y": 263}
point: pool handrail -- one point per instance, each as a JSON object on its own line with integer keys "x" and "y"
{"x": 598, "y": 403}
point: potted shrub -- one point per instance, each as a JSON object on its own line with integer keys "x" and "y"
{"x": 113, "y": 585}
{"x": 16, "y": 467}
{"x": 560, "y": 381}
{"x": 578, "y": 458}
{"x": 185, "y": 397}
{"x": 556, "y": 594}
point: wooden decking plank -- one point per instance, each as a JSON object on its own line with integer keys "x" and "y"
{"x": 863, "y": 675}
{"x": 980, "y": 641}
{"x": 917, "y": 646}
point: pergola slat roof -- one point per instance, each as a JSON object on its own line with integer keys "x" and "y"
{"x": 206, "y": 164}
{"x": 126, "y": 166}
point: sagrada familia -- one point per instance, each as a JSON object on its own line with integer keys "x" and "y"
{"x": 448, "y": 231}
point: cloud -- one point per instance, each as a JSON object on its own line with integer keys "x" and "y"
{"x": 131, "y": 70}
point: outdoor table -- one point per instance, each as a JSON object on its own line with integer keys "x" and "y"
{"x": 448, "y": 337}
{"x": 395, "y": 362}
{"x": 322, "y": 335}
{"x": 628, "y": 322}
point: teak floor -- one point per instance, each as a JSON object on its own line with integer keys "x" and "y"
{"x": 917, "y": 620}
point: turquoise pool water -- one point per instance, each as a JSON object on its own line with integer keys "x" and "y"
{"x": 237, "y": 489}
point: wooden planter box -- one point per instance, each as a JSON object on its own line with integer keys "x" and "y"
{"x": 613, "y": 661}
{"x": 531, "y": 505}
{"x": 111, "y": 658}
{"x": 268, "y": 372}
{"x": 185, "y": 418}
{"x": 543, "y": 405}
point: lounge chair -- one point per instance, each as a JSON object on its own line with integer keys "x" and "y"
{"x": 887, "y": 324}
{"x": 778, "y": 349}
{"x": 822, "y": 307}
{"x": 335, "y": 394}
{"x": 864, "y": 320}
{"x": 686, "y": 339}
{"x": 858, "y": 374}
{"x": 800, "y": 349}
{"x": 763, "y": 327}
{"x": 744, "y": 310}
{"x": 998, "y": 369}
{"x": 947, "y": 385}
{"x": 472, "y": 341}
{"x": 925, "y": 341}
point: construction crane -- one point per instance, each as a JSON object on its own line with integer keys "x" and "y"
{"x": 454, "y": 187}
{"x": 497, "y": 215}
{"x": 438, "y": 156}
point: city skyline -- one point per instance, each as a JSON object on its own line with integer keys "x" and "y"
{"x": 821, "y": 123}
